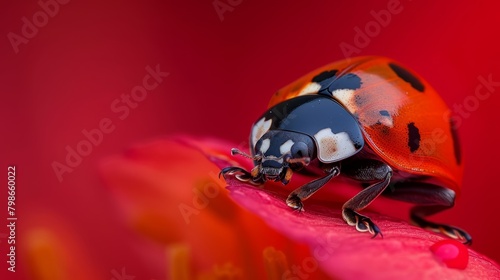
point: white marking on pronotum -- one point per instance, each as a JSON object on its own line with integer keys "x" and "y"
{"x": 266, "y": 143}
{"x": 259, "y": 129}
{"x": 310, "y": 88}
{"x": 333, "y": 147}
{"x": 286, "y": 147}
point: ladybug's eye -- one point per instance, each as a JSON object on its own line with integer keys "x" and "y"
{"x": 299, "y": 150}
{"x": 299, "y": 154}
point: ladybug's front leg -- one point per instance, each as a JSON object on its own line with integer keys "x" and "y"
{"x": 366, "y": 170}
{"x": 243, "y": 175}
{"x": 295, "y": 199}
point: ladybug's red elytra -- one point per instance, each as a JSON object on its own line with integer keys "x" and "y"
{"x": 369, "y": 119}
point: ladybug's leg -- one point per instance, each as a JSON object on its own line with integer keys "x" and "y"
{"x": 302, "y": 193}
{"x": 365, "y": 170}
{"x": 431, "y": 199}
{"x": 242, "y": 175}
{"x": 417, "y": 214}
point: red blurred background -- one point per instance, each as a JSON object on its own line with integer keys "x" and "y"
{"x": 224, "y": 65}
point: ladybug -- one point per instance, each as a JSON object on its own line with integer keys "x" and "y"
{"x": 369, "y": 119}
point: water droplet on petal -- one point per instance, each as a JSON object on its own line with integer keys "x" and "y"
{"x": 452, "y": 253}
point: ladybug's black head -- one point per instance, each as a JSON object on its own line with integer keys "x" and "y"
{"x": 277, "y": 153}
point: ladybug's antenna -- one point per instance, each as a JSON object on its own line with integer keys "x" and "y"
{"x": 235, "y": 151}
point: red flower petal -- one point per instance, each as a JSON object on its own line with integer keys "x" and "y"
{"x": 343, "y": 252}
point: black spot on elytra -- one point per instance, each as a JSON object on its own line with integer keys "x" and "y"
{"x": 324, "y": 76}
{"x": 330, "y": 81}
{"x": 456, "y": 143}
{"x": 347, "y": 81}
{"x": 407, "y": 77}
{"x": 384, "y": 113}
{"x": 413, "y": 137}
